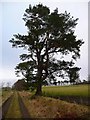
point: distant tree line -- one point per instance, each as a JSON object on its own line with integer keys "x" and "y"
{"x": 22, "y": 85}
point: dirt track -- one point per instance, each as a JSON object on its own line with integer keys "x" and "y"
{"x": 5, "y": 107}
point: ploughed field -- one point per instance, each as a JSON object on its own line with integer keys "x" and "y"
{"x": 22, "y": 104}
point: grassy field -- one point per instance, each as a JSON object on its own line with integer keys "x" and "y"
{"x": 74, "y": 90}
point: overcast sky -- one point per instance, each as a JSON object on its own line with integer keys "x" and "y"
{"x": 11, "y": 14}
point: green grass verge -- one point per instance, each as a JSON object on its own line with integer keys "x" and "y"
{"x": 14, "y": 109}
{"x": 4, "y": 95}
{"x": 74, "y": 90}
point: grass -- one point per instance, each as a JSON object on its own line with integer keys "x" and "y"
{"x": 4, "y": 95}
{"x": 45, "y": 107}
{"x": 74, "y": 90}
{"x": 14, "y": 109}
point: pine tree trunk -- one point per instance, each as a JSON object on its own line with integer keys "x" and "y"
{"x": 39, "y": 82}
{"x": 39, "y": 76}
{"x": 39, "y": 89}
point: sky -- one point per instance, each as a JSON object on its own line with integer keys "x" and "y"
{"x": 11, "y": 14}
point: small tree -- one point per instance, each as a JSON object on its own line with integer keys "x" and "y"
{"x": 48, "y": 34}
{"x": 20, "y": 85}
{"x": 59, "y": 82}
{"x": 73, "y": 74}
{"x": 27, "y": 71}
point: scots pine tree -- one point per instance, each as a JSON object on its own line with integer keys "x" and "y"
{"x": 48, "y": 34}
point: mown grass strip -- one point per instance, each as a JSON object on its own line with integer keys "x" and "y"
{"x": 74, "y": 90}
{"x": 14, "y": 109}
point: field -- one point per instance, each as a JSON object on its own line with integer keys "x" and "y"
{"x": 74, "y": 90}
{"x": 23, "y": 103}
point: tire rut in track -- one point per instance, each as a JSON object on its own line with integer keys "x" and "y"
{"x": 24, "y": 111}
{"x": 5, "y": 106}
